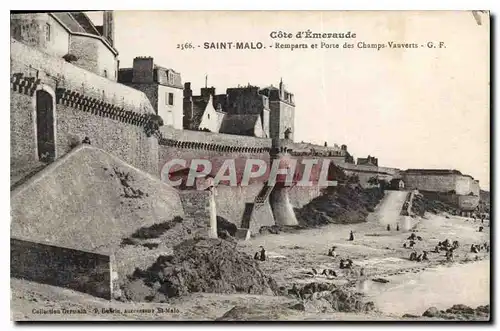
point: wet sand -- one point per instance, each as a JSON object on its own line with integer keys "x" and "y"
{"x": 439, "y": 287}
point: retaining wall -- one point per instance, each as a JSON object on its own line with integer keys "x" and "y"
{"x": 53, "y": 265}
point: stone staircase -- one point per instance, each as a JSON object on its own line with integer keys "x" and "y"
{"x": 263, "y": 195}
{"x": 247, "y": 215}
{"x": 251, "y": 207}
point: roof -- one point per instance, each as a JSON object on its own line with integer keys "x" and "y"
{"x": 239, "y": 124}
{"x": 199, "y": 106}
{"x": 270, "y": 87}
{"x": 433, "y": 171}
{"x": 85, "y": 23}
{"x": 155, "y": 66}
{"x": 78, "y": 23}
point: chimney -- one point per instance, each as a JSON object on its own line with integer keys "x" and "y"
{"x": 143, "y": 68}
{"x": 207, "y": 91}
{"x": 108, "y": 27}
{"x": 188, "y": 93}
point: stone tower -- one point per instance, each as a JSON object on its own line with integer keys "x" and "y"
{"x": 282, "y": 113}
{"x": 108, "y": 27}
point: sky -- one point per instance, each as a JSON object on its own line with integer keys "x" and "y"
{"x": 411, "y": 108}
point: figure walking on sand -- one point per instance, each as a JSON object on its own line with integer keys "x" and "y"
{"x": 351, "y": 236}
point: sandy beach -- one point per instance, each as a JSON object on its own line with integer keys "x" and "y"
{"x": 412, "y": 287}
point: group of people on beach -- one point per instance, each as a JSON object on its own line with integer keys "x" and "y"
{"x": 448, "y": 247}
{"x": 412, "y": 241}
{"x": 480, "y": 218}
{"x": 475, "y": 248}
{"x": 343, "y": 264}
{"x": 389, "y": 227}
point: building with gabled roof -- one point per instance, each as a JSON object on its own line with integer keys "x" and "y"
{"x": 163, "y": 87}
{"x": 71, "y": 36}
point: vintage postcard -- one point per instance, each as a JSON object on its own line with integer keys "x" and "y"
{"x": 250, "y": 166}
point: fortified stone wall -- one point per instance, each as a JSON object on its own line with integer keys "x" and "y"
{"x": 112, "y": 115}
{"x": 128, "y": 142}
{"x": 94, "y": 56}
{"x": 60, "y": 74}
{"x": 231, "y": 201}
{"x": 150, "y": 90}
{"x": 366, "y": 172}
{"x": 302, "y": 195}
{"x": 32, "y": 29}
{"x": 444, "y": 183}
{"x": 467, "y": 202}
{"x": 188, "y": 145}
{"x": 461, "y": 184}
{"x": 475, "y": 187}
{"x": 230, "y": 140}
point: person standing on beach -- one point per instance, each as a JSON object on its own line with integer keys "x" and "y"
{"x": 351, "y": 236}
{"x": 262, "y": 254}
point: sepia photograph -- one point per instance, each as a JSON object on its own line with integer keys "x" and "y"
{"x": 250, "y": 166}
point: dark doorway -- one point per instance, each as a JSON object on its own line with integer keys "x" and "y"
{"x": 45, "y": 126}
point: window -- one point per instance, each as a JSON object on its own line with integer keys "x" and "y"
{"x": 105, "y": 73}
{"x": 47, "y": 31}
{"x": 170, "y": 99}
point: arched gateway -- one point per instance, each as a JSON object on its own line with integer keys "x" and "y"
{"x": 45, "y": 135}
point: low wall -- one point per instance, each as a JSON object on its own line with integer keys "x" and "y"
{"x": 463, "y": 202}
{"x": 406, "y": 209}
{"x": 74, "y": 269}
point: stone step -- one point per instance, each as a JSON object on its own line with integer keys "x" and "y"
{"x": 242, "y": 234}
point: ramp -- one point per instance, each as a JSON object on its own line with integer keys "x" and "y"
{"x": 89, "y": 200}
{"x": 389, "y": 209}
